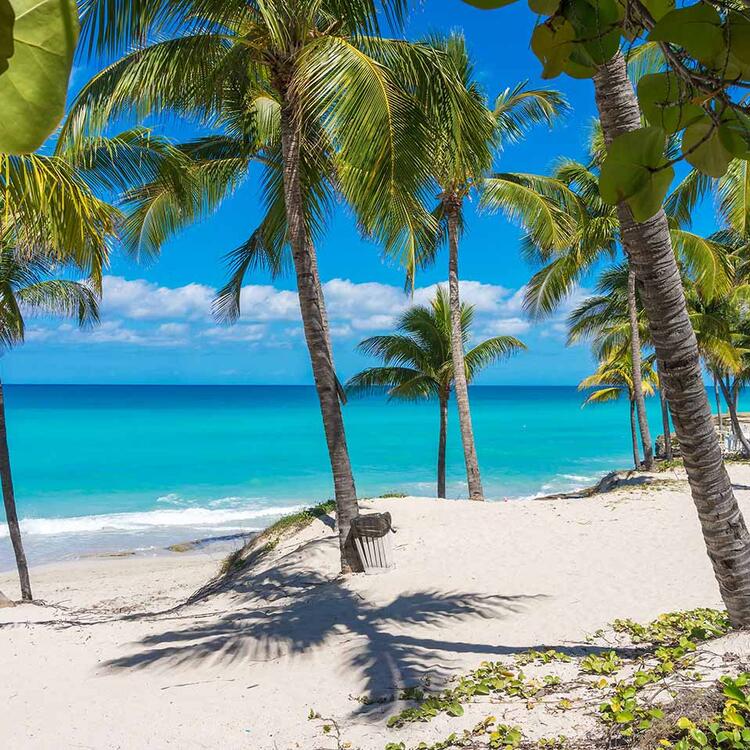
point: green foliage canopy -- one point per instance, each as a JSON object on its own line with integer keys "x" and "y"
{"x": 703, "y": 49}
{"x": 37, "y": 42}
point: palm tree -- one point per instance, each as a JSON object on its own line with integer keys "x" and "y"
{"x": 612, "y": 379}
{"x": 649, "y": 247}
{"x": 52, "y": 222}
{"x": 418, "y": 362}
{"x": 28, "y": 285}
{"x": 571, "y": 230}
{"x": 307, "y": 89}
{"x": 465, "y": 135}
{"x": 607, "y": 319}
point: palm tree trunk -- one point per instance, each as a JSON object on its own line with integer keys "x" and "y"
{"x": 734, "y": 419}
{"x": 668, "y": 454}
{"x": 442, "y": 441}
{"x": 718, "y": 404}
{"x": 650, "y": 251}
{"x": 634, "y": 435}
{"x": 635, "y": 352}
{"x": 457, "y": 352}
{"x": 316, "y": 335}
{"x": 9, "y": 499}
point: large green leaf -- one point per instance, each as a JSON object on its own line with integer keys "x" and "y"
{"x": 658, "y": 8}
{"x": 738, "y": 34}
{"x": 7, "y": 19}
{"x": 544, "y": 7}
{"x": 665, "y": 101}
{"x": 635, "y": 171}
{"x": 696, "y": 28}
{"x": 735, "y": 134}
{"x": 34, "y": 87}
{"x": 552, "y": 43}
{"x": 703, "y": 148}
{"x": 597, "y": 28}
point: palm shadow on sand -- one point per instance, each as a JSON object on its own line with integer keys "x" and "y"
{"x": 290, "y": 609}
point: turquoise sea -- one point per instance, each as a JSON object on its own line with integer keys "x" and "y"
{"x": 139, "y": 467}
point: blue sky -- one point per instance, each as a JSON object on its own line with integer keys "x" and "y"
{"x": 156, "y": 324}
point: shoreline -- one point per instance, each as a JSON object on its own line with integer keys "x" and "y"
{"x": 182, "y": 544}
{"x": 144, "y": 642}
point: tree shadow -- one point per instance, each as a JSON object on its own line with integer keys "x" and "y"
{"x": 290, "y": 609}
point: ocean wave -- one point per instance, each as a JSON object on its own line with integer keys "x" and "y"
{"x": 235, "y": 518}
{"x": 577, "y": 477}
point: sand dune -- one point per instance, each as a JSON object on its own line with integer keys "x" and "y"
{"x": 113, "y": 661}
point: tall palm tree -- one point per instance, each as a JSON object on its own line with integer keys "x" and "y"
{"x": 649, "y": 247}
{"x": 305, "y": 88}
{"x": 418, "y": 361}
{"x": 612, "y": 379}
{"x": 607, "y": 319}
{"x": 28, "y": 285}
{"x": 53, "y": 222}
{"x": 465, "y": 136}
{"x": 571, "y": 230}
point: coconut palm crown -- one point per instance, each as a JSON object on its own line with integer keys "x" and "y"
{"x": 418, "y": 362}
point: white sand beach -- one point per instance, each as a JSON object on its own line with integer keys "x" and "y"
{"x": 113, "y": 661}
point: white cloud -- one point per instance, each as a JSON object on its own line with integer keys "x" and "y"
{"x": 506, "y": 327}
{"x": 138, "y": 312}
{"x": 239, "y": 332}
{"x": 143, "y": 300}
{"x": 268, "y": 303}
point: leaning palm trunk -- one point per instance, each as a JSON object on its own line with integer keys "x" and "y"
{"x": 718, "y": 404}
{"x": 635, "y": 352}
{"x": 734, "y": 418}
{"x": 457, "y": 351}
{"x": 442, "y": 441}
{"x": 14, "y": 529}
{"x": 649, "y": 248}
{"x": 634, "y": 435}
{"x": 318, "y": 344}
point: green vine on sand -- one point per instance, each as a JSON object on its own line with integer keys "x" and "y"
{"x": 669, "y": 644}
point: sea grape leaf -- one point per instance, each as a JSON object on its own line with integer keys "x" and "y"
{"x": 551, "y": 42}
{"x": 597, "y": 27}
{"x": 34, "y": 87}
{"x": 7, "y": 19}
{"x": 658, "y": 8}
{"x": 489, "y": 4}
{"x": 665, "y": 100}
{"x": 697, "y": 28}
{"x": 738, "y": 34}
{"x": 635, "y": 170}
{"x": 544, "y": 7}
{"x": 703, "y": 148}
{"x": 734, "y": 133}
{"x": 729, "y": 65}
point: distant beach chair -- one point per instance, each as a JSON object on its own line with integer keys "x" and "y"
{"x": 373, "y": 534}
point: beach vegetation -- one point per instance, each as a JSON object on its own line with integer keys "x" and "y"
{"x": 606, "y": 663}
{"x": 418, "y": 361}
{"x": 614, "y": 377}
{"x": 633, "y": 711}
{"x": 314, "y": 97}
{"x": 465, "y": 134}
{"x": 635, "y": 177}
{"x": 541, "y": 657}
{"x": 55, "y": 245}
{"x": 37, "y": 42}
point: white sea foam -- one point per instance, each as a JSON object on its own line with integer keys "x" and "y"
{"x": 577, "y": 477}
{"x": 217, "y": 519}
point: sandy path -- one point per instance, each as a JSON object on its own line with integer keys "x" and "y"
{"x": 244, "y": 668}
